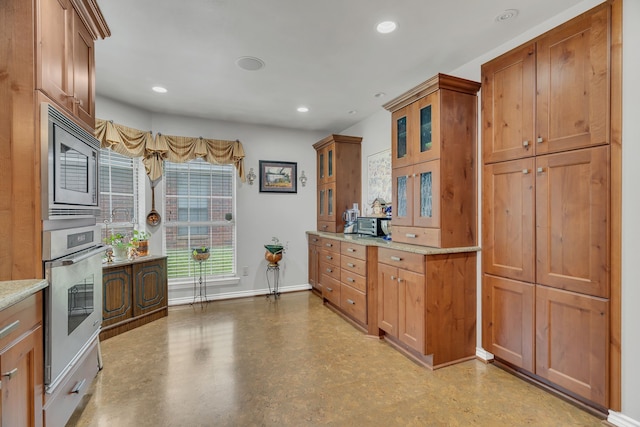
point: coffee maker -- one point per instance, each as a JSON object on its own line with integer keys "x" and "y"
{"x": 350, "y": 217}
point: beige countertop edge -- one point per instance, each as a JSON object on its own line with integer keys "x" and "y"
{"x": 133, "y": 261}
{"x": 14, "y": 291}
{"x": 377, "y": 241}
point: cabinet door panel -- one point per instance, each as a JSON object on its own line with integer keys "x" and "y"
{"x": 572, "y": 193}
{"x": 116, "y": 302}
{"x": 401, "y": 136}
{"x": 53, "y": 39}
{"x": 572, "y": 332}
{"x": 83, "y": 74}
{"x": 508, "y": 105}
{"x": 426, "y": 194}
{"x": 508, "y": 225}
{"x": 508, "y": 320}
{"x": 411, "y": 311}
{"x": 388, "y": 299}
{"x": 573, "y": 85}
{"x": 402, "y": 182}
{"x": 425, "y": 145}
{"x": 149, "y": 286}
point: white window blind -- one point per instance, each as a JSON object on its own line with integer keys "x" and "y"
{"x": 198, "y": 198}
{"x": 118, "y": 192}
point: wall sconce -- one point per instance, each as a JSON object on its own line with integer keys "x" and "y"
{"x": 303, "y": 179}
{"x": 251, "y": 176}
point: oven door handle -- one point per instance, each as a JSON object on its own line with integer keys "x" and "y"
{"x": 79, "y": 257}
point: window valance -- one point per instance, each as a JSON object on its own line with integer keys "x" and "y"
{"x": 132, "y": 142}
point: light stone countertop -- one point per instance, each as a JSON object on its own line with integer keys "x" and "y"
{"x": 380, "y": 242}
{"x": 14, "y": 291}
{"x": 133, "y": 261}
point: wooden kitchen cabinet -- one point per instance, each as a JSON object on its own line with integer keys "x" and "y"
{"x": 21, "y": 363}
{"x": 426, "y": 304}
{"x": 571, "y": 342}
{"x": 134, "y": 293}
{"x": 547, "y": 207}
{"x": 338, "y": 179}
{"x": 314, "y": 242}
{"x": 433, "y": 137}
{"x": 551, "y": 94}
{"x": 65, "y": 49}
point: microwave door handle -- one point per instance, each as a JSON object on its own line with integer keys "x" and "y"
{"x": 78, "y": 258}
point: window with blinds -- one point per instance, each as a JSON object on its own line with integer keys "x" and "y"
{"x": 118, "y": 192}
{"x": 199, "y": 206}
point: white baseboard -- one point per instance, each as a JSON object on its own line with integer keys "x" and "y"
{"x": 621, "y": 420}
{"x": 240, "y": 294}
{"x": 483, "y": 354}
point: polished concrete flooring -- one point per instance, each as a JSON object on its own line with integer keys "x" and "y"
{"x": 293, "y": 362}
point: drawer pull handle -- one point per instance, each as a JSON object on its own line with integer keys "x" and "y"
{"x": 540, "y": 170}
{"x": 350, "y": 264}
{"x": 350, "y": 301}
{"x": 396, "y": 258}
{"x": 349, "y": 279}
{"x": 351, "y": 250}
{"x": 329, "y": 270}
{"x": 525, "y": 171}
{"x": 393, "y": 277}
{"x": 400, "y": 280}
{"x": 329, "y": 257}
{"x": 12, "y": 373}
{"x": 540, "y": 140}
{"x": 411, "y": 236}
{"x": 328, "y": 245}
{"x": 9, "y": 328}
{"x": 329, "y": 289}
{"x": 525, "y": 143}
{"x": 78, "y": 386}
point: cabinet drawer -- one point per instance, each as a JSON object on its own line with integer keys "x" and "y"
{"x": 327, "y": 226}
{"x": 329, "y": 269}
{"x": 354, "y": 303}
{"x": 354, "y": 280}
{"x": 67, "y": 395}
{"x": 417, "y": 236}
{"x": 357, "y": 266}
{"x": 330, "y": 245}
{"x": 329, "y": 257}
{"x": 331, "y": 289}
{"x": 17, "y": 319}
{"x": 314, "y": 240}
{"x": 401, "y": 259}
{"x": 355, "y": 251}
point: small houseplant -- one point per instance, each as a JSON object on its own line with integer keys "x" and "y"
{"x": 140, "y": 240}
{"x": 200, "y": 254}
{"x": 119, "y": 243}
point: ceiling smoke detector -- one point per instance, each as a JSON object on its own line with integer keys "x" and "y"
{"x": 250, "y": 63}
{"x": 507, "y": 15}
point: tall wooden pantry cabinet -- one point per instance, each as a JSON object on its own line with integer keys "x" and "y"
{"x": 546, "y": 206}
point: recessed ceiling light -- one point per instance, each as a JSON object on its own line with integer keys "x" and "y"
{"x": 250, "y": 63}
{"x": 159, "y": 89}
{"x": 386, "y": 27}
{"x": 506, "y": 15}
{"x": 379, "y": 94}
{"x": 302, "y": 109}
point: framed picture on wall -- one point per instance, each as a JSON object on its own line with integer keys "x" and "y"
{"x": 278, "y": 177}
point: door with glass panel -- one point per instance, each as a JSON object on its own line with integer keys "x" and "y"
{"x": 402, "y": 182}
{"x": 426, "y": 144}
{"x": 426, "y": 194}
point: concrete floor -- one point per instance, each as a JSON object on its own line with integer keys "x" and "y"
{"x": 293, "y": 362}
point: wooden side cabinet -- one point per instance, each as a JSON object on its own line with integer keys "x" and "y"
{"x": 21, "y": 363}
{"x": 134, "y": 293}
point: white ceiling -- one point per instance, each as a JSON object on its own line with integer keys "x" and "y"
{"x": 324, "y": 54}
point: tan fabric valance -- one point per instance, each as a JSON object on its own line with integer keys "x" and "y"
{"x": 178, "y": 149}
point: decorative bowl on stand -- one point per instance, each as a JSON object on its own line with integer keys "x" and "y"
{"x": 273, "y": 254}
{"x": 201, "y": 254}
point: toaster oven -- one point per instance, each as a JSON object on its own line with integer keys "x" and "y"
{"x": 373, "y": 226}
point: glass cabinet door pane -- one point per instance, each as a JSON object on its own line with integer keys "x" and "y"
{"x": 426, "y": 194}
{"x": 330, "y": 163}
{"x": 401, "y": 129}
{"x": 330, "y": 202}
{"x": 425, "y": 129}
{"x": 321, "y": 166}
{"x": 402, "y": 196}
{"x": 321, "y": 204}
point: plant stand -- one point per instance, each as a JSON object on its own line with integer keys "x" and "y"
{"x": 273, "y": 270}
{"x": 200, "y": 283}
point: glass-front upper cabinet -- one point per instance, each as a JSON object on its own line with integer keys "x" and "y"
{"x": 426, "y": 194}
{"x": 326, "y": 164}
{"x": 400, "y": 136}
{"x": 427, "y": 144}
{"x": 402, "y": 182}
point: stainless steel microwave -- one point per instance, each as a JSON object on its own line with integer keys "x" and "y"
{"x": 69, "y": 159}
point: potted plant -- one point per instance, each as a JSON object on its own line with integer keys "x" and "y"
{"x": 200, "y": 254}
{"x": 140, "y": 241}
{"x": 274, "y": 252}
{"x": 119, "y": 244}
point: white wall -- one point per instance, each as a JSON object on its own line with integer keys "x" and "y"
{"x": 259, "y": 216}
